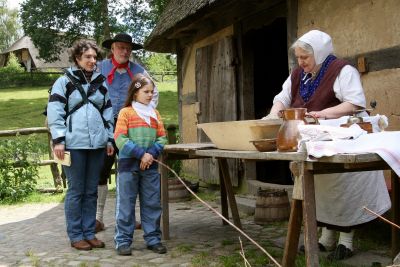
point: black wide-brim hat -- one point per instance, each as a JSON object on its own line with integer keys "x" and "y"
{"x": 121, "y": 37}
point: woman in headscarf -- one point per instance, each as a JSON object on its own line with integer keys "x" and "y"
{"x": 330, "y": 88}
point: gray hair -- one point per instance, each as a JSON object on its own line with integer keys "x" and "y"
{"x": 303, "y": 45}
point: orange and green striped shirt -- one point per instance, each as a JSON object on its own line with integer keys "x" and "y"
{"x": 134, "y": 137}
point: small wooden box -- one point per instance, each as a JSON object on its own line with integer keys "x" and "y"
{"x": 367, "y": 126}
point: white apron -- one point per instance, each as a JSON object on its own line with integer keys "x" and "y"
{"x": 340, "y": 197}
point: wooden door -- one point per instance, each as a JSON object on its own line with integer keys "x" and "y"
{"x": 216, "y": 93}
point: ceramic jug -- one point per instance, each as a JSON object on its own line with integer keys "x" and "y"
{"x": 288, "y": 134}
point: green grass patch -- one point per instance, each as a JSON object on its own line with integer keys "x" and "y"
{"x": 201, "y": 260}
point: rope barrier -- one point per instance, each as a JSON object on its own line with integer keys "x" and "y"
{"x": 220, "y": 215}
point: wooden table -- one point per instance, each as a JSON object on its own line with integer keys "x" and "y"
{"x": 303, "y": 204}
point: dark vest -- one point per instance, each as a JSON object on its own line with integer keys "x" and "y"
{"x": 324, "y": 96}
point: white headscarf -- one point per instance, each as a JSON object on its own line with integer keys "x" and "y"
{"x": 145, "y": 111}
{"x": 321, "y": 44}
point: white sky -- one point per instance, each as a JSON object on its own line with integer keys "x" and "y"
{"x": 13, "y": 4}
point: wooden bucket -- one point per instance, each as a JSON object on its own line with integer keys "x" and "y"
{"x": 177, "y": 191}
{"x": 271, "y": 206}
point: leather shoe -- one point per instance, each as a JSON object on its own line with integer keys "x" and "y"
{"x": 158, "y": 248}
{"x": 99, "y": 226}
{"x": 96, "y": 243}
{"x": 340, "y": 253}
{"x": 321, "y": 248}
{"x": 81, "y": 245}
{"x": 138, "y": 225}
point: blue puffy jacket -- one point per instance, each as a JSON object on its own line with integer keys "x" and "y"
{"x": 84, "y": 128}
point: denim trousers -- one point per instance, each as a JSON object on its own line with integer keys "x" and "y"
{"x": 81, "y": 198}
{"x": 129, "y": 184}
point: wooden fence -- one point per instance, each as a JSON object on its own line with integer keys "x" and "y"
{"x": 58, "y": 177}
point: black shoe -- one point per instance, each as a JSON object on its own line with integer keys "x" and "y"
{"x": 158, "y": 248}
{"x": 124, "y": 250}
{"x": 340, "y": 253}
{"x": 320, "y": 247}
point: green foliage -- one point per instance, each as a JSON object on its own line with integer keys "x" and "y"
{"x": 12, "y": 66}
{"x": 9, "y": 25}
{"x": 19, "y": 159}
{"x": 54, "y": 24}
{"x": 157, "y": 62}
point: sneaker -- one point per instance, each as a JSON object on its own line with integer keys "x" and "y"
{"x": 158, "y": 248}
{"x": 340, "y": 253}
{"x": 124, "y": 250}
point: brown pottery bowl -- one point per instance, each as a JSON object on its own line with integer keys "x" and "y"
{"x": 264, "y": 145}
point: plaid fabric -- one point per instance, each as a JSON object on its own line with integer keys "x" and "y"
{"x": 134, "y": 137}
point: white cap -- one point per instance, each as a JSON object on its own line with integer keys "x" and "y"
{"x": 321, "y": 44}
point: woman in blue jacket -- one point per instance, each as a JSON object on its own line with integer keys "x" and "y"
{"x": 80, "y": 119}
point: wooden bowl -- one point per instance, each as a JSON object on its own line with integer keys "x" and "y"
{"x": 235, "y": 135}
{"x": 264, "y": 145}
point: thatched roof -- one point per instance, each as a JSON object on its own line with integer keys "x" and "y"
{"x": 184, "y": 20}
{"x": 25, "y": 42}
{"x": 177, "y": 12}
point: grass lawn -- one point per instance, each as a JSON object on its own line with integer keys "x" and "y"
{"x": 23, "y": 107}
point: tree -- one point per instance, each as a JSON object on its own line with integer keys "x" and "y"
{"x": 53, "y": 24}
{"x": 9, "y": 26}
{"x": 157, "y": 62}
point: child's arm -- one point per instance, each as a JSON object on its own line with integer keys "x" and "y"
{"x": 126, "y": 146}
{"x": 158, "y": 146}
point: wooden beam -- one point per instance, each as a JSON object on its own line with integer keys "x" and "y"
{"x": 388, "y": 58}
{"x": 310, "y": 220}
{"x": 293, "y": 233}
{"x": 292, "y": 26}
{"x": 395, "y": 194}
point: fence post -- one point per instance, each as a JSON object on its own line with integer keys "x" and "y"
{"x": 171, "y": 133}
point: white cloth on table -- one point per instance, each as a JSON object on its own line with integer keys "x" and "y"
{"x": 385, "y": 144}
{"x": 329, "y": 130}
{"x": 354, "y": 190}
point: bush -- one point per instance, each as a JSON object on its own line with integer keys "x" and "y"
{"x": 19, "y": 158}
{"x": 12, "y": 66}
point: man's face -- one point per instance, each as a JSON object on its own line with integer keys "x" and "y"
{"x": 121, "y": 51}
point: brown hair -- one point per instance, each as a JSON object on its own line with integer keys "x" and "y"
{"x": 138, "y": 81}
{"x": 80, "y": 47}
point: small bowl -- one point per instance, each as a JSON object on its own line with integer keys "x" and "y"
{"x": 264, "y": 145}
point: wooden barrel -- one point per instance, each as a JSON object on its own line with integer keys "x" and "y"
{"x": 271, "y": 206}
{"x": 177, "y": 191}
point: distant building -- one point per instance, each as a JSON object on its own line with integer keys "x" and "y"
{"x": 28, "y": 56}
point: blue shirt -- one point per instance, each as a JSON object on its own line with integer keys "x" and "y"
{"x": 118, "y": 89}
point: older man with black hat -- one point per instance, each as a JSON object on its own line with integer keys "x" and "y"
{"x": 119, "y": 71}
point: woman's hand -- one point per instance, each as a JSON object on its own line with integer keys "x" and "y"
{"x": 146, "y": 161}
{"x": 110, "y": 149}
{"x": 59, "y": 150}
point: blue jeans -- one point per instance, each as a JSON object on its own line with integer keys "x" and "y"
{"x": 129, "y": 184}
{"x": 81, "y": 198}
